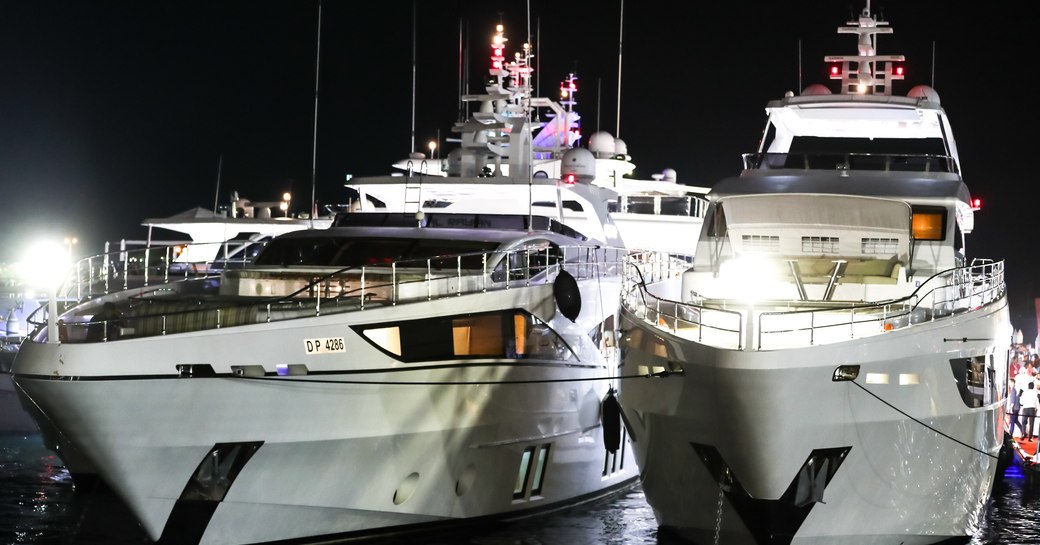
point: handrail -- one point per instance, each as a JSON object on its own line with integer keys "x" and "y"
{"x": 209, "y": 301}
{"x": 902, "y": 162}
{"x": 948, "y": 292}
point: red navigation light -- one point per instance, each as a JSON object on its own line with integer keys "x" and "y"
{"x": 976, "y": 204}
{"x": 570, "y": 179}
{"x": 898, "y": 70}
{"x": 835, "y": 71}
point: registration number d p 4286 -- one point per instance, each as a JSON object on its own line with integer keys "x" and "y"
{"x": 324, "y": 345}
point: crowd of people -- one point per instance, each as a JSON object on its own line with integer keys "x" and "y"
{"x": 1024, "y": 397}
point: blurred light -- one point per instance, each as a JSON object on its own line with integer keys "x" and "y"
{"x": 570, "y": 179}
{"x": 286, "y": 196}
{"x": 44, "y": 265}
{"x": 751, "y": 277}
{"x": 835, "y": 71}
{"x": 976, "y": 204}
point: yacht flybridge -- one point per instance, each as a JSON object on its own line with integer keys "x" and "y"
{"x": 828, "y": 366}
{"x": 439, "y": 360}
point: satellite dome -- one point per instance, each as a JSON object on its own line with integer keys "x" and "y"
{"x": 580, "y": 162}
{"x": 668, "y": 174}
{"x": 620, "y": 147}
{"x": 816, "y": 89}
{"x": 601, "y": 144}
{"x": 925, "y": 92}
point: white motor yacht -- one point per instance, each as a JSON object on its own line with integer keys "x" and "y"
{"x": 829, "y": 367}
{"x": 445, "y": 359}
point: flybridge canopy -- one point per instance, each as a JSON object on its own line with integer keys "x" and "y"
{"x": 772, "y": 211}
{"x": 862, "y": 119}
{"x": 803, "y": 224}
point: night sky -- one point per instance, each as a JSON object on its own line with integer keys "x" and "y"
{"x": 119, "y": 110}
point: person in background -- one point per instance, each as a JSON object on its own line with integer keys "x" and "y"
{"x": 1021, "y": 379}
{"x": 1030, "y": 402}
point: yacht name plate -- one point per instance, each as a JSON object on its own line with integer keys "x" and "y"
{"x": 324, "y": 345}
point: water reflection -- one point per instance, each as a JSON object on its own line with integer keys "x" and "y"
{"x": 40, "y": 506}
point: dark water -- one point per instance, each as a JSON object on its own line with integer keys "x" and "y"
{"x": 39, "y": 506}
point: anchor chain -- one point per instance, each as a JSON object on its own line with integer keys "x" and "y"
{"x": 723, "y": 485}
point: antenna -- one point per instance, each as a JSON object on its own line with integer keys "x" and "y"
{"x": 800, "y": 65}
{"x": 414, "y": 9}
{"x": 537, "y": 56}
{"x": 216, "y": 196}
{"x": 314, "y": 141}
{"x": 465, "y": 69}
{"x": 933, "y": 64}
{"x": 599, "y": 94}
{"x": 621, "y": 26}
{"x": 460, "y": 70}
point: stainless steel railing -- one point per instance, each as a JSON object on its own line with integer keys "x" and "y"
{"x": 740, "y": 325}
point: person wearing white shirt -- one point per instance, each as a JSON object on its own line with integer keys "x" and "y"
{"x": 1023, "y": 378}
{"x": 1030, "y": 402}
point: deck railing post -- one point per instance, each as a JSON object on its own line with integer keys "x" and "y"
{"x": 126, "y": 267}
{"x": 147, "y": 255}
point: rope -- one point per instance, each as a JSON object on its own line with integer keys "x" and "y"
{"x": 900, "y": 411}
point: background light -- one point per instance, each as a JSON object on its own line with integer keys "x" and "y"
{"x": 44, "y": 265}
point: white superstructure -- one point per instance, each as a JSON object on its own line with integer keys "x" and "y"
{"x": 443, "y": 361}
{"x": 829, "y": 366}
{"x": 642, "y": 209}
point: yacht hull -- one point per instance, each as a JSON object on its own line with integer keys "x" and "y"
{"x": 730, "y": 449}
{"x": 362, "y": 444}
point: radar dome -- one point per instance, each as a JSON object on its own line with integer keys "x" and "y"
{"x": 580, "y": 162}
{"x": 454, "y": 161}
{"x": 816, "y": 89}
{"x": 925, "y": 92}
{"x": 668, "y": 174}
{"x": 620, "y": 147}
{"x": 601, "y": 144}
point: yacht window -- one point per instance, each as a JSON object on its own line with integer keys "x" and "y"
{"x": 529, "y": 261}
{"x": 717, "y": 223}
{"x": 326, "y": 251}
{"x": 524, "y": 471}
{"x": 501, "y": 334}
{"x": 928, "y": 223}
{"x": 882, "y": 246}
{"x": 819, "y": 245}
{"x": 971, "y": 375}
{"x": 761, "y": 243}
